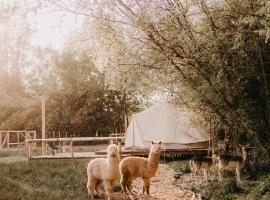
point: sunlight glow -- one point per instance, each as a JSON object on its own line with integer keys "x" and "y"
{"x": 53, "y": 28}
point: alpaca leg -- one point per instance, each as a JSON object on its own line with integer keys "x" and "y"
{"x": 108, "y": 188}
{"x": 98, "y": 187}
{"x": 129, "y": 186}
{"x": 91, "y": 184}
{"x": 114, "y": 182}
{"x": 123, "y": 182}
{"x": 146, "y": 185}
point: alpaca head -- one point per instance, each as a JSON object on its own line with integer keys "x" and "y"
{"x": 113, "y": 151}
{"x": 156, "y": 147}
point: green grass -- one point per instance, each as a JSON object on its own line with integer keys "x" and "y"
{"x": 12, "y": 156}
{"x": 229, "y": 188}
{"x": 43, "y": 179}
{"x": 66, "y": 180}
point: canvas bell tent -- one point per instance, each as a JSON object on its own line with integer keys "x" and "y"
{"x": 165, "y": 122}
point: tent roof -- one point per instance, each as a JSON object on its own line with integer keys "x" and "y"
{"x": 164, "y": 122}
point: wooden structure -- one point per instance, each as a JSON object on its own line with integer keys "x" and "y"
{"x": 43, "y": 133}
{"x": 70, "y": 141}
{"x": 165, "y": 153}
{"x": 118, "y": 135}
{"x": 71, "y": 154}
{"x": 11, "y": 139}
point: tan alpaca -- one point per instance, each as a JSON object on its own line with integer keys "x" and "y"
{"x": 146, "y": 168}
{"x": 201, "y": 163}
{"x": 104, "y": 170}
{"x": 232, "y": 163}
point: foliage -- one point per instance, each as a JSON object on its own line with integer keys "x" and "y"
{"x": 77, "y": 100}
{"x": 225, "y": 190}
{"x": 211, "y": 56}
{"x": 15, "y": 35}
{"x": 261, "y": 191}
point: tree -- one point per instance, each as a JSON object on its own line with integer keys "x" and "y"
{"x": 212, "y": 56}
{"x": 15, "y": 34}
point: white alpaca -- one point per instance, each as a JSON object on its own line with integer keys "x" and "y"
{"x": 104, "y": 170}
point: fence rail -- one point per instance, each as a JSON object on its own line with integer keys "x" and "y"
{"x": 67, "y": 143}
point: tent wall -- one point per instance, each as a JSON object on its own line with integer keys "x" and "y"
{"x": 164, "y": 123}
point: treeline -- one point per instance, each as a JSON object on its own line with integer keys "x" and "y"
{"x": 211, "y": 56}
{"x": 79, "y": 98}
{"x": 78, "y": 102}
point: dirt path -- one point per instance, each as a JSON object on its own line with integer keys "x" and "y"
{"x": 163, "y": 187}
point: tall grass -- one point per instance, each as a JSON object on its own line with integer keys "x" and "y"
{"x": 43, "y": 179}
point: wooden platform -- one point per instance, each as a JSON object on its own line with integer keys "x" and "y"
{"x": 164, "y": 152}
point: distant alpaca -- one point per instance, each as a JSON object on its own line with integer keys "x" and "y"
{"x": 231, "y": 162}
{"x": 201, "y": 163}
{"x": 104, "y": 170}
{"x": 133, "y": 167}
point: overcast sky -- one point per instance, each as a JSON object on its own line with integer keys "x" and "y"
{"x": 53, "y": 28}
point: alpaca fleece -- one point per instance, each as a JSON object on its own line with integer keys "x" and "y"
{"x": 133, "y": 167}
{"x": 103, "y": 170}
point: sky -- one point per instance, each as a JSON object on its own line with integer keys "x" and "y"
{"x": 53, "y": 28}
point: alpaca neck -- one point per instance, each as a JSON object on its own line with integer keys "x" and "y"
{"x": 112, "y": 164}
{"x": 152, "y": 163}
{"x": 113, "y": 160}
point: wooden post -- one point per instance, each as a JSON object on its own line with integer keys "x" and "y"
{"x": 71, "y": 147}
{"x": 209, "y": 139}
{"x": 119, "y": 149}
{"x": 46, "y": 151}
{"x": 35, "y": 136}
{"x": 1, "y": 140}
{"x": 43, "y": 126}
{"x": 29, "y": 149}
{"x": 18, "y": 140}
{"x": 7, "y": 140}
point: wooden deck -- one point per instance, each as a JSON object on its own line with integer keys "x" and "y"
{"x": 168, "y": 153}
{"x": 164, "y": 152}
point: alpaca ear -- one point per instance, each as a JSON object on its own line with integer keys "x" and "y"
{"x": 111, "y": 141}
{"x": 152, "y": 142}
{"x": 159, "y": 142}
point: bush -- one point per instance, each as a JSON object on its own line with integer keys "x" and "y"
{"x": 226, "y": 190}
{"x": 262, "y": 191}
{"x": 181, "y": 167}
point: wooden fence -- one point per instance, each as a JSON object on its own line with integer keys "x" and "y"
{"x": 17, "y": 139}
{"x": 67, "y": 143}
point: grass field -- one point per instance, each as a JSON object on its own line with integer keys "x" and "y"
{"x": 21, "y": 179}
{"x": 44, "y": 179}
